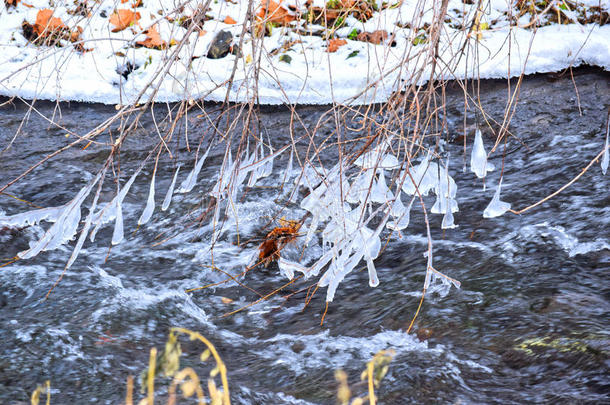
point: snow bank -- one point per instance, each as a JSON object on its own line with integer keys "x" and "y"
{"x": 116, "y": 72}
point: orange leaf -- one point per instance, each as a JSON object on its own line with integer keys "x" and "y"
{"x": 229, "y": 20}
{"x": 274, "y": 13}
{"x": 153, "y": 39}
{"x": 46, "y": 24}
{"x": 11, "y": 3}
{"x": 123, "y": 18}
{"x": 335, "y": 44}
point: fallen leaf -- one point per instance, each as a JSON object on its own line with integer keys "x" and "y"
{"x": 226, "y": 300}
{"x": 272, "y": 12}
{"x": 202, "y": 33}
{"x": 153, "y": 39}
{"x": 12, "y": 3}
{"x": 375, "y": 37}
{"x": 123, "y": 18}
{"x": 277, "y": 239}
{"x": 46, "y": 24}
{"x": 229, "y": 20}
{"x": 335, "y": 44}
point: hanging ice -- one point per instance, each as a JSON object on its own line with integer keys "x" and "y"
{"x": 496, "y": 207}
{"x": 190, "y": 181}
{"x": 110, "y": 210}
{"x": 117, "y": 234}
{"x": 32, "y": 217}
{"x": 64, "y": 227}
{"x": 448, "y": 221}
{"x": 170, "y": 191}
{"x": 605, "y": 158}
{"x": 478, "y": 158}
{"x": 423, "y": 178}
{"x": 287, "y": 268}
{"x": 150, "y": 204}
{"x": 401, "y": 218}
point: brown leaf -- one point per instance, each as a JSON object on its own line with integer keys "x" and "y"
{"x": 335, "y": 44}
{"x": 375, "y": 37}
{"x": 46, "y": 24}
{"x": 229, "y": 20}
{"x": 153, "y": 39}
{"x": 12, "y": 3}
{"x": 274, "y": 13}
{"x": 123, "y": 18}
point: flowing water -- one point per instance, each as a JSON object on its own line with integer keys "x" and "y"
{"x": 530, "y": 323}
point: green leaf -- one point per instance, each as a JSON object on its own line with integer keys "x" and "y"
{"x": 353, "y": 35}
{"x": 285, "y": 58}
{"x": 352, "y": 54}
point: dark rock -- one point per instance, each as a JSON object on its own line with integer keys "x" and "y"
{"x": 220, "y": 46}
{"x": 236, "y": 50}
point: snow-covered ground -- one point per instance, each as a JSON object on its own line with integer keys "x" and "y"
{"x": 289, "y": 66}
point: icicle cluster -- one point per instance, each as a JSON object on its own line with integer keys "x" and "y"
{"x": 343, "y": 208}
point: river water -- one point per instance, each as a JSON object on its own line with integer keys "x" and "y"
{"x": 530, "y": 323}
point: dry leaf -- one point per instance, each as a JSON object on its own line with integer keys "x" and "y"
{"x": 226, "y": 300}
{"x": 46, "y": 24}
{"x": 153, "y": 39}
{"x": 335, "y": 44}
{"x": 12, "y": 3}
{"x": 375, "y": 37}
{"x": 277, "y": 239}
{"x": 229, "y": 20}
{"x": 123, "y": 18}
{"x": 274, "y": 13}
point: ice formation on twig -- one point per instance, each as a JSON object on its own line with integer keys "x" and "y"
{"x": 150, "y": 203}
{"x": 478, "y": 158}
{"x": 496, "y": 207}
{"x": 170, "y": 191}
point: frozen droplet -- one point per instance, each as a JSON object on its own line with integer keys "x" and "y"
{"x": 496, "y": 207}
{"x": 150, "y": 204}
{"x": 478, "y": 158}
{"x": 170, "y": 191}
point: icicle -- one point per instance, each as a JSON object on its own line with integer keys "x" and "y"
{"x": 313, "y": 226}
{"x": 373, "y": 280}
{"x": 380, "y": 193}
{"x": 496, "y": 207}
{"x": 289, "y": 167}
{"x": 478, "y": 158}
{"x": 605, "y": 158}
{"x": 109, "y": 212}
{"x": 117, "y": 234}
{"x": 425, "y": 178}
{"x": 287, "y": 268}
{"x": 85, "y": 231}
{"x": 170, "y": 191}
{"x": 150, "y": 204}
{"x": 64, "y": 227}
{"x": 190, "y": 181}
{"x": 32, "y": 217}
{"x": 448, "y": 221}
{"x": 403, "y": 220}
